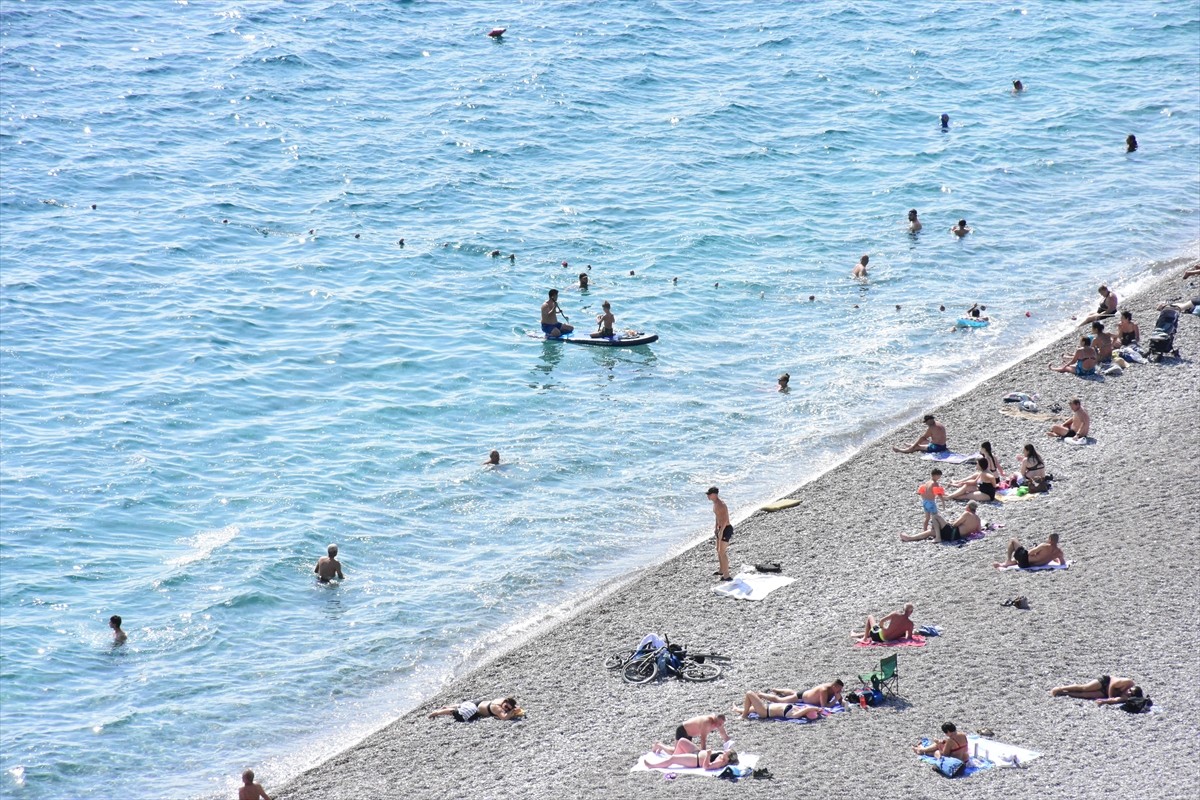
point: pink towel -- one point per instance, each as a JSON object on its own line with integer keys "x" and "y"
{"x": 916, "y": 641}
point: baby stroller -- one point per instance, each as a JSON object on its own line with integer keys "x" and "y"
{"x": 1162, "y": 341}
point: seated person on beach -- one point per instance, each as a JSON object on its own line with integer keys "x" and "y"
{"x": 1128, "y": 331}
{"x": 1032, "y": 469}
{"x": 783, "y": 383}
{"x": 1186, "y": 306}
{"x": 953, "y": 746}
{"x": 328, "y": 567}
{"x": 551, "y": 327}
{"x": 1079, "y": 424}
{"x": 249, "y": 790}
{"x": 1106, "y": 309}
{"x": 961, "y": 528}
{"x": 823, "y": 695}
{"x": 914, "y": 224}
{"x": 702, "y": 726}
{"x": 1039, "y": 556}
{"x": 685, "y": 754}
{"x": 860, "y": 269}
{"x": 1082, "y": 361}
{"x": 765, "y": 709}
{"x": 960, "y": 230}
{"x": 892, "y": 628}
{"x": 980, "y": 487}
{"x": 933, "y": 440}
{"x": 500, "y": 708}
{"x": 1102, "y": 341}
{"x": 993, "y": 463}
{"x": 604, "y": 322}
{"x": 929, "y": 492}
{"x": 1107, "y": 690}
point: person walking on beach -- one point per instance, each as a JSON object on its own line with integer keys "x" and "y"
{"x": 702, "y": 726}
{"x": 723, "y": 531}
{"x": 892, "y": 628}
{"x": 1079, "y": 424}
{"x": 119, "y": 636}
{"x": 933, "y": 440}
{"x": 249, "y": 790}
{"x": 1039, "y": 556}
{"x": 551, "y": 327}
{"x": 328, "y": 567}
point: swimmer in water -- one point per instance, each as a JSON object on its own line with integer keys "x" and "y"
{"x": 914, "y": 224}
{"x": 583, "y": 282}
{"x": 604, "y": 323}
{"x": 493, "y": 459}
{"x": 860, "y": 269}
{"x": 1018, "y": 87}
{"x": 974, "y": 312}
{"x": 328, "y": 566}
{"x": 119, "y": 636}
{"x": 945, "y": 122}
{"x": 783, "y": 383}
{"x": 960, "y": 230}
{"x": 1130, "y": 143}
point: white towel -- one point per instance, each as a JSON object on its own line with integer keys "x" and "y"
{"x": 751, "y": 585}
{"x": 949, "y": 458}
{"x": 1037, "y": 569}
{"x": 748, "y": 760}
{"x": 998, "y": 753}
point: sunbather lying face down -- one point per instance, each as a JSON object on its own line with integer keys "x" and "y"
{"x": 686, "y": 754}
{"x": 765, "y": 709}
{"x": 1105, "y": 690}
{"x": 822, "y": 695}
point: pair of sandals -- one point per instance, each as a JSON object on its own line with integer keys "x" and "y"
{"x": 1021, "y": 602}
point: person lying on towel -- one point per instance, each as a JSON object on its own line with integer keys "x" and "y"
{"x": 822, "y": 695}
{"x": 757, "y": 704}
{"x": 686, "y": 754}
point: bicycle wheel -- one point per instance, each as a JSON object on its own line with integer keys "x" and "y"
{"x": 642, "y": 670}
{"x": 699, "y": 673}
{"x": 618, "y": 660}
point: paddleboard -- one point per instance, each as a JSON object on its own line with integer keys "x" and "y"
{"x": 780, "y": 505}
{"x": 967, "y": 322}
{"x": 614, "y": 341}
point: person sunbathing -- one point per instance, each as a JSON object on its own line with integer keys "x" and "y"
{"x": 892, "y": 628}
{"x": 933, "y": 440}
{"x": 500, "y": 708}
{"x": 765, "y": 709}
{"x": 1102, "y": 341}
{"x": 980, "y": 487}
{"x": 1106, "y": 309}
{"x": 1032, "y": 468}
{"x": 1078, "y": 425}
{"x": 961, "y": 528}
{"x": 702, "y": 726}
{"x": 685, "y": 754}
{"x": 822, "y": 695}
{"x": 1128, "y": 331}
{"x": 1106, "y": 690}
{"x": 1082, "y": 362}
{"x": 953, "y": 746}
{"x": 1039, "y": 555}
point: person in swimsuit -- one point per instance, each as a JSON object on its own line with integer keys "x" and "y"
{"x": 685, "y": 754}
{"x": 960, "y": 230}
{"x": 783, "y": 383}
{"x": 328, "y": 567}
{"x": 1033, "y": 470}
{"x": 953, "y": 746}
{"x": 493, "y": 459}
{"x": 1082, "y": 361}
{"x": 1106, "y": 690}
{"x": 985, "y": 450}
{"x": 1106, "y": 309}
{"x": 892, "y": 628}
{"x": 980, "y": 487}
{"x": 500, "y": 708}
{"x": 824, "y": 695}
{"x": 551, "y": 327}
{"x": 756, "y": 703}
{"x": 961, "y": 528}
{"x": 930, "y": 492}
{"x": 914, "y": 224}
{"x": 1018, "y": 87}
{"x": 933, "y": 440}
{"x": 1079, "y": 424}
{"x": 604, "y": 322}
{"x": 976, "y": 312}
{"x": 1102, "y": 341}
{"x": 702, "y": 726}
{"x": 1041, "y": 555}
{"x": 1128, "y": 330}
{"x": 723, "y": 531}
{"x": 860, "y": 269}
{"x": 119, "y": 636}
{"x": 1131, "y": 144}
{"x": 583, "y": 282}
{"x": 249, "y": 790}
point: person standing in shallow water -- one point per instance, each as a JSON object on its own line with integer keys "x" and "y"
{"x": 328, "y": 566}
{"x": 914, "y": 224}
{"x": 119, "y": 636}
{"x": 1130, "y": 143}
{"x": 860, "y": 269}
{"x": 723, "y": 531}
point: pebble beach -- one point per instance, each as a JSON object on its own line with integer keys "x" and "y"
{"x": 1124, "y": 505}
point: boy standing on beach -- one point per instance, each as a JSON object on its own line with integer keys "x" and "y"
{"x": 931, "y": 492}
{"x": 723, "y": 531}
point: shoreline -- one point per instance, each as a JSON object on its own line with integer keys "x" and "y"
{"x": 682, "y": 572}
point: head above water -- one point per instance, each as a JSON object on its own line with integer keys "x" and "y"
{"x": 332, "y": 550}
{"x": 583, "y": 279}
{"x": 864, "y": 260}
{"x": 114, "y": 622}
{"x": 1018, "y": 86}
{"x": 784, "y": 378}
{"x": 1130, "y": 143}
{"x": 962, "y": 223}
{"x": 945, "y": 120}
{"x": 712, "y": 491}
{"x": 248, "y": 777}
{"x": 494, "y": 457}
{"x": 912, "y": 215}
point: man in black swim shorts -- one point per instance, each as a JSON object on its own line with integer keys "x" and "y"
{"x": 723, "y": 531}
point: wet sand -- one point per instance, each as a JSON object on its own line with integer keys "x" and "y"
{"x": 1126, "y": 506}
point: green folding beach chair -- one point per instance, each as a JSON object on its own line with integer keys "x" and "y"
{"x": 886, "y": 679}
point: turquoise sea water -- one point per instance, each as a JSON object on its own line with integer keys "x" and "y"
{"x": 230, "y": 361}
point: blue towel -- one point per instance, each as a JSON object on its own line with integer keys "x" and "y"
{"x": 973, "y": 764}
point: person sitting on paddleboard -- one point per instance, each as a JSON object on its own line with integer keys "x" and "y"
{"x": 974, "y": 312}
{"x": 604, "y": 322}
{"x": 550, "y": 324}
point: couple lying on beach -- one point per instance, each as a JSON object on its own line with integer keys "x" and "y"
{"x": 791, "y": 704}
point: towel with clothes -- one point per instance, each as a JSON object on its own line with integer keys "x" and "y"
{"x": 746, "y": 763}
{"x": 799, "y": 720}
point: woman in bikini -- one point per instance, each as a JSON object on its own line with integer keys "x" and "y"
{"x": 1128, "y": 330}
{"x": 1033, "y": 470}
{"x": 985, "y": 450}
{"x": 980, "y": 487}
{"x": 953, "y": 746}
{"x": 686, "y": 754}
{"x": 1082, "y": 361}
{"x": 500, "y": 708}
{"x": 757, "y": 704}
{"x": 1106, "y": 690}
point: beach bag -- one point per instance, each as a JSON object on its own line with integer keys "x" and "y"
{"x": 949, "y": 767}
{"x": 1137, "y": 705}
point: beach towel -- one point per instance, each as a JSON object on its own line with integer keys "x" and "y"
{"x": 916, "y": 641}
{"x": 1011, "y": 496}
{"x": 1036, "y": 569}
{"x": 745, "y": 760}
{"x": 751, "y": 585}
{"x": 999, "y": 753}
{"x": 1020, "y": 413}
{"x": 799, "y": 720}
{"x": 949, "y": 458}
{"x": 973, "y": 764}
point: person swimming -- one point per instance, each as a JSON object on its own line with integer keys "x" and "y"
{"x": 914, "y": 224}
